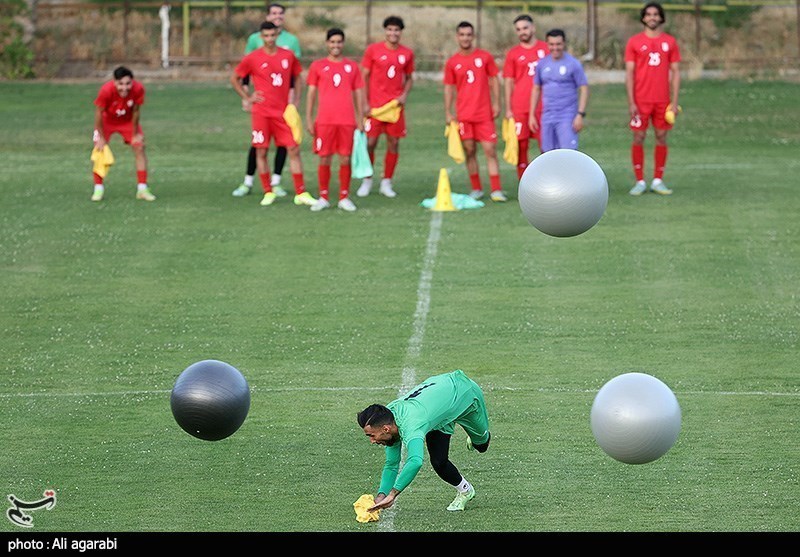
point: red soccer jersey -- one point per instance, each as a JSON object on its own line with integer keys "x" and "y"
{"x": 335, "y": 83}
{"x": 388, "y": 70}
{"x": 117, "y": 109}
{"x": 272, "y": 75}
{"x": 520, "y": 65}
{"x": 470, "y": 74}
{"x": 652, "y": 58}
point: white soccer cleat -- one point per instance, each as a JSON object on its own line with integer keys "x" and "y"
{"x": 346, "y": 205}
{"x": 386, "y": 188}
{"x": 320, "y": 204}
{"x": 365, "y": 188}
{"x": 658, "y": 186}
{"x": 638, "y": 188}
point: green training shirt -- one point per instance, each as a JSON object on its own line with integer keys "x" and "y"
{"x": 285, "y": 40}
{"x": 431, "y": 405}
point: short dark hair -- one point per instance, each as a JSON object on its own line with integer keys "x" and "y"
{"x": 374, "y": 415}
{"x": 267, "y": 25}
{"x": 523, "y": 17}
{"x": 276, "y": 5}
{"x": 655, "y": 5}
{"x": 464, "y": 24}
{"x": 333, "y": 32}
{"x": 394, "y": 20}
{"x": 556, "y": 33}
{"x": 121, "y": 72}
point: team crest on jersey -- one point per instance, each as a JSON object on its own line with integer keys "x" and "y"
{"x": 348, "y": 68}
{"x": 130, "y": 102}
{"x": 458, "y": 66}
{"x": 562, "y": 70}
{"x": 665, "y": 47}
{"x": 478, "y": 62}
{"x": 264, "y": 65}
{"x": 384, "y": 57}
{"x": 402, "y": 58}
{"x": 540, "y": 53}
{"x": 285, "y": 64}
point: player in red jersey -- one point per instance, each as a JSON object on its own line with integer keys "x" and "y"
{"x": 336, "y": 85}
{"x": 652, "y": 81}
{"x": 271, "y": 70}
{"x": 388, "y": 68}
{"x": 470, "y": 79}
{"x": 118, "y": 110}
{"x": 518, "y": 71}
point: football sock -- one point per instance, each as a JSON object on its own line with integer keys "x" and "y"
{"x": 389, "y": 164}
{"x": 324, "y": 180}
{"x": 475, "y": 180}
{"x": 345, "y": 174}
{"x": 637, "y": 157}
{"x": 299, "y": 184}
{"x": 265, "y": 181}
{"x": 494, "y": 182}
{"x": 660, "y": 160}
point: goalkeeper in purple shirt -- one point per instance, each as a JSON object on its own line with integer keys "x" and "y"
{"x": 427, "y": 415}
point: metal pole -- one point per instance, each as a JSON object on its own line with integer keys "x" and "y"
{"x": 479, "y": 9}
{"x": 369, "y": 22}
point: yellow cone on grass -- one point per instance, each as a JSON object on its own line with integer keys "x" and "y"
{"x": 444, "y": 197}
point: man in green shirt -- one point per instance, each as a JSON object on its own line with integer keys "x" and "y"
{"x": 427, "y": 415}
{"x": 276, "y": 13}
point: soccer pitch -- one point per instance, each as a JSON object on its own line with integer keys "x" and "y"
{"x": 104, "y": 304}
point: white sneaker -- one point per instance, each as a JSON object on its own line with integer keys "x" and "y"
{"x": 279, "y": 191}
{"x": 461, "y": 500}
{"x": 638, "y": 188}
{"x": 660, "y": 187}
{"x": 386, "y": 188}
{"x": 498, "y": 196}
{"x": 476, "y": 194}
{"x": 347, "y": 205}
{"x": 366, "y": 187}
{"x": 320, "y": 205}
{"x": 275, "y": 180}
{"x": 97, "y": 195}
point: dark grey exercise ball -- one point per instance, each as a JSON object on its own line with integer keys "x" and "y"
{"x": 210, "y": 400}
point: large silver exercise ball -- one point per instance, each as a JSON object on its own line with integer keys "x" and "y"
{"x": 563, "y": 192}
{"x": 635, "y": 418}
{"x": 210, "y": 400}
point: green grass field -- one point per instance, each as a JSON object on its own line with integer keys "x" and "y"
{"x": 104, "y": 304}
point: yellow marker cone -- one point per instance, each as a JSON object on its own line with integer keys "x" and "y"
{"x": 444, "y": 198}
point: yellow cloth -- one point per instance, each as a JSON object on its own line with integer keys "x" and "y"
{"x": 102, "y": 159}
{"x": 454, "y": 147}
{"x": 669, "y": 115}
{"x": 365, "y": 502}
{"x": 511, "y": 152}
{"x": 390, "y": 112}
{"x": 292, "y": 117}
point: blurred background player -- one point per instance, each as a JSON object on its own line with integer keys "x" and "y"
{"x": 470, "y": 79}
{"x": 561, "y": 82}
{"x": 272, "y": 69}
{"x": 118, "y": 110}
{"x": 652, "y": 81}
{"x": 276, "y": 13}
{"x": 336, "y": 85}
{"x": 518, "y": 71}
{"x": 388, "y": 68}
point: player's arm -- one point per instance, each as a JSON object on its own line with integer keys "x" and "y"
{"x": 675, "y": 85}
{"x": 360, "y": 102}
{"x": 98, "y": 137}
{"x": 238, "y": 86}
{"x": 414, "y": 458}
{"x": 136, "y": 117}
{"x": 583, "y": 99}
{"x": 409, "y": 82}
{"x": 536, "y": 93}
{"x": 630, "y": 68}
{"x": 494, "y": 86}
{"x": 311, "y": 99}
{"x": 365, "y": 71}
{"x": 508, "y": 84}
{"x": 449, "y": 97}
{"x": 295, "y": 94}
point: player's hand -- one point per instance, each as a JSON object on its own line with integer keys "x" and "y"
{"x": 257, "y": 97}
{"x": 309, "y": 127}
{"x": 448, "y": 118}
{"x": 509, "y": 114}
{"x": 633, "y": 110}
{"x": 384, "y": 503}
{"x": 533, "y": 123}
{"x": 247, "y": 106}
{"x": 98, "y": 140}
{"x": 577, "y": 123}
{"x": 402, "y": 99}
{"x": 495, "y": 110}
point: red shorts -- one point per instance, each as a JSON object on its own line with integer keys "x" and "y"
{"x": 479, "y": 131}
{"x": 375, "y": 128}
{"x": 125, "y": 129}
{"x": 650, "y": 111}
{"x": 333, "y": 139}
{"x": 266, "y": 129}
{"x": 521, "y": 124}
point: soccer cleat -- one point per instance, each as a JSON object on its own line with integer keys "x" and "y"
{"x": 304, "y": 198}
{"x": 476, "y": 194}
{"x": 638, "y": 188}
{"x": 320, "y": 204}
{"x": 660, "y": 187}
{"x": 365, "y": 188}
{"x": 461, "y": 500}
{"x": 269, "y": 199}
{"x": 145, "y": 195}
{"x": 498, "y": 196}
{"x": 386, "y": 188}
{"x": 242, "y": 190}
{"x": 470, "y": 446}
{"x": 346, "y": 204}
{"x": 97, "y": 195}
{"x": 279, "y": 191}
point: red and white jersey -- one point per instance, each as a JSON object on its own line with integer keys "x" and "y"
{"x": 520, "y": 65}
{"x": 652, "y": 57}
{"x": 118, "y": 109}
{"x": 388, "y": 69}
{"x": 272, "y": 75}
{"x": 470, "y": 74}
{"x": 335, "y": 83}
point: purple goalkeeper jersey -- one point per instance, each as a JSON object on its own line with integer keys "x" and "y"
{"x": 559, "y": 80}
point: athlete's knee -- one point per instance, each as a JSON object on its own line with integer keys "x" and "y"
{"x": 483, "y": 447}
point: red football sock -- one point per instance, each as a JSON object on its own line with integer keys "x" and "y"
{"x": 389, "y": 164}
{"x": 324, "y": 179}
{"x": 661, "y": 161}
{"x": 345, "y": 173}
{"x": 299, "y": 184}
{"x": 637, "y": 156}
{"x": 494, "y": 182}
{"x": 265, "y": 181}
{"x": 475, "y": 179}
{"x": 522, "y": 162}
{"x": 98, "y": 180}
{"x": 141, "y": 175}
